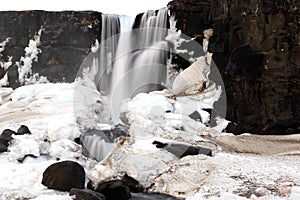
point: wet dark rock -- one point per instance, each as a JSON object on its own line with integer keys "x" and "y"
{"x": 256, "y": 47}
{"x": 23, "y": 130}
{"x": 6, "y": 138}
{"x": 5, "y": 141}
{"x": 114, "y": 190}
{"x": 7, "y": 133}
{"x": 64, "y": 176}
{"x": 86, "y": 194}
{"x": 195, "y": 116}
{"x": 133, "y": 184}
{"x": 152, "y": 196}
{"x": 2, "y": 73}
{"x": 182, "y": 150}
{"x": 65, "y": 42}
{"x": 3, "y": 148}
{"x": 282, "y": 127}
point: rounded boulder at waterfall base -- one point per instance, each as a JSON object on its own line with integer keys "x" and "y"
{"x": 64, "y": 176}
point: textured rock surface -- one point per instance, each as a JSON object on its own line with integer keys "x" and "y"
{"x": 65, "y": 41}
{"x": 64, "y": 176}
{"x": 256, "y": 46}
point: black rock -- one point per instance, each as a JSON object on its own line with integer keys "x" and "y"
{"x": 2, "y": 73}
{"x": 114, "y": 190}
{"x": 133, "y": 184}
{"x": 3, "y": 148}
{"x": 64, "y": 176}
{"x": 23, "y": 130}
{"x": 86, "y": 194}
{"x": 21, "y": 160}
{"x": 7, "y": 133}
{"x": 152, "y": 196}
{"x": 196, "y": 116}
{"x": 5, "y": 141}
{"x": 182, "y": 150}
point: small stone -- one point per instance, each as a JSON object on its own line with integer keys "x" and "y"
{"x": 284, "y": 190}
{"x": 23, "y": 130}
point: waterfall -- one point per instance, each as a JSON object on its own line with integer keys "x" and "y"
{"x": 110, "y": 28}
{"x": 140, "y": 59}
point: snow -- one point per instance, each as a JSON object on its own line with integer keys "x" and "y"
{"x": 48, "y": 111}
{"x": 31, "y": 55}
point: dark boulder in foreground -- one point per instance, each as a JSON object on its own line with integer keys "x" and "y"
{"x": 114, "y": 190}
{"x": 64, "y": 176}
{"x": 182, "y": 150}
{"x": 86, "y": 194}
{"x": 152, "y": 196}
{"x": 23, "y": 130}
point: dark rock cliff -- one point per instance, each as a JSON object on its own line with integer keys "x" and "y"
{"x": 65, "y": 41}
{"x": 256, "y": 46}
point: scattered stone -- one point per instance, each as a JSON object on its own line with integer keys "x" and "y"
{"x": 64, "y": 175}
{"x": 284, "y": 190}
{"x": 23, "y": 130}
{"x": 114, "y": 190}
{"x": 86, "y": 194}
{"x": 182, "y": 150}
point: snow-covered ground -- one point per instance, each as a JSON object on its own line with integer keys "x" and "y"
{"x": 48, "y": 111}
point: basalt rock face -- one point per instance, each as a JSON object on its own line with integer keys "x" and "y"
{"x": 256, "y": 46}
{"x": 65, "y": 41}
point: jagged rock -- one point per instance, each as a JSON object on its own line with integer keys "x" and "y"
{"x": 114, "y": 190}
{"x": 182, "y": 150}
{"x": 64, "y": 176}
{"x": 65, "y": 42}
{"x": 86, "y": 194}
{"x": 23, "y": 130}
{"x": 256, "y": 49}
{"x": 193, "y": 79}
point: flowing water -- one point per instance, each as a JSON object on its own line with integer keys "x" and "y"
{"x": 133, "y": 60}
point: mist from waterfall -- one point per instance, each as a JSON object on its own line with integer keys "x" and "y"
{"x": 132, "y": 61}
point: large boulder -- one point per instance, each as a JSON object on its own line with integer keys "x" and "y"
{"x": 64, "y": 176}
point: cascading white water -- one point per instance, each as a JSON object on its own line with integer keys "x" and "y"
{"x": 139, "y": 59}
{"x": 110, "y": 28}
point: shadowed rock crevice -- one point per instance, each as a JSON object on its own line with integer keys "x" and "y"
{"x": 256, "y": 49}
